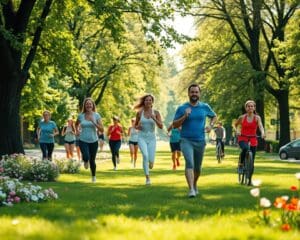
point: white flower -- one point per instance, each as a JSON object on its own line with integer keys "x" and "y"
{"x": 298, "y": 175}
{"x": 254, "y": 192}
{"x": 264, "y": 202}
{"x": 285, "y": 197}
{"x": 256, "y": 182}
{"x": 34, "y": 198}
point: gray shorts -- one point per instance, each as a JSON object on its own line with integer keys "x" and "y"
{"x": 193, "y": 153}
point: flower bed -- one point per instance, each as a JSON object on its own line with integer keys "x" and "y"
{"x": 24, "y": 168}
{"x": 12, "y": 191}
{"x": 287, "y": 216}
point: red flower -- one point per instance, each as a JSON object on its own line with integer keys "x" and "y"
{"x": 285, "y": 227}
{"x": 293, "y": 188}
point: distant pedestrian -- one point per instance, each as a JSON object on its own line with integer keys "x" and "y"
{"x": 46, "y": 131}
{"x": 87, "y": 124}
{"x": 174, "y": 134}
{"x": 69, "y": 133}
{"x": 146, "y": 120}
{"x": 220, "y": 133}
{"x": 114, "y": 134}
{"x": 133, "y": 142}
{"x": 101, "y": 140}
{"x": 191, "y": 116}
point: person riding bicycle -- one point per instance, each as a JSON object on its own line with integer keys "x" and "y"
{"x": 248, "y": 124}
{"x": 220, "y": 136}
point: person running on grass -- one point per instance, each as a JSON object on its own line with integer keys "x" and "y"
{"x": 87, "y": 124}
{"x": 174, "y": 134}
{"x": 133, "y": 142}
{"x": 114, "y": 134}
{"x": 146, "y": 120}
{"x": 191, "y": 116}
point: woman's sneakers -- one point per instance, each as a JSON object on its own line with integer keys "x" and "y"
{"x": 93, "y": 179}
{"x": 86, "y": 165}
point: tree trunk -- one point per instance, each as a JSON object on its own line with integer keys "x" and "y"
{"x": 283, "y": 101}
{"x": 10, "y": 92}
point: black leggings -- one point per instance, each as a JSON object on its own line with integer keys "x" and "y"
{"x": 47, "y": 150}
{"x": 114, "y": 146}
{"x": 88, "y": 152}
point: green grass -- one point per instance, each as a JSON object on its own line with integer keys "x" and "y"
{"x": 120, "y": 206}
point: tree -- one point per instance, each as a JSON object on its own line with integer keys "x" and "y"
{"x": 19, "y": 27}
{"x": 256, "y": 26}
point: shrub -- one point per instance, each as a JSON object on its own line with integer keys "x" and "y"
{"x": 271, "y": 146}
{"x": 43, "y": 170}
{"x": 12, "y": 191}
{"x": 67, "y": 165}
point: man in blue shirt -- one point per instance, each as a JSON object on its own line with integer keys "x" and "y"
{"x": 191, "y": 116}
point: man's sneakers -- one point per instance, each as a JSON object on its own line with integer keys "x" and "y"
{"x": 192, "y": 193}
{"x": 148, "y": 182}
{"x": 86, "y": 165}
{"x": 93, "y": 179}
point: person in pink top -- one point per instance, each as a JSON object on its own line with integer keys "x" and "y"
{"x": 246, "y": 126}
{"x": 114, "y": 134}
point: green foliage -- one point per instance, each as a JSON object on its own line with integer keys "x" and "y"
{"x": 67, "y": 165}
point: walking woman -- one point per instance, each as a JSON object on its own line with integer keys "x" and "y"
{"x": 87, "y": 124}
{"x": 146, "y": 120}
{"x": 46, "y": 132}
{"x": 133, "y": 142}
{"x": 114, "y": 134}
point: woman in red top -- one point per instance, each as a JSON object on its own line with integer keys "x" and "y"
{"x": 248, "y": 124}
{"x": 114, "y": 134}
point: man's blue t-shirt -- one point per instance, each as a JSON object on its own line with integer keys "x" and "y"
{"x": 193, "y": 128}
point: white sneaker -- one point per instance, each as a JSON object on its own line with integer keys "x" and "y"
{"x": 192, "y": 193}
{"x": 93, "y": 179}
{"x": 86, "y": 165}
{"x": 148, "y": 182}
{"x": 115, "y": 168}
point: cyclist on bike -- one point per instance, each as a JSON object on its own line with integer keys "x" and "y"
{"x": 220, "y": 136}
{"x": 248, "y": 123}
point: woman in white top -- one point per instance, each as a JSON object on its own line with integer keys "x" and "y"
{"x": 69, "y": 132}
{"x": 146, "y": 120}
{"x": 133, "y": 142}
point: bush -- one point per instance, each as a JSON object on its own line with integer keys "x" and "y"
{"x": 271, "y": 146}
{"x": 67, "y": 165}
{"x": 12, "y": 191}
{"x": 21, "y": 167}
{"x": 43, "y": 170}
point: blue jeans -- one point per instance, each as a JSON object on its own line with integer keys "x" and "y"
{"x": 89, "y": 151}
{"x": 193, "y": 152}
{"x": 114, "y": 146}
{"x": 245, "y": 147}
{"x": 47, "y": 150}
{"x": 147, "y": 145}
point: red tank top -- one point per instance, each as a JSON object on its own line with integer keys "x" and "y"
{"x": 116, "y": 132}
{"x": 249, "y": 129}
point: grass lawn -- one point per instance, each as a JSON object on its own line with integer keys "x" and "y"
{"x": 120, "y": 206}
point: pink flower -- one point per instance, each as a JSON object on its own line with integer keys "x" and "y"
{"x": 17, "y": 199}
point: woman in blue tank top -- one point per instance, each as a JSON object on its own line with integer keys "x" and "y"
{"x": 146, "y": 120}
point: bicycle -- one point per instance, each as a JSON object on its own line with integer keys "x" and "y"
{"x": 245, "y": 170}
{"x": 219, "y": 152}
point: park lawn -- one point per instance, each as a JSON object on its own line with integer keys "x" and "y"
{"x": 120, "y": 206}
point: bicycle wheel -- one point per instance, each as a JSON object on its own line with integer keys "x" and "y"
{"x": 248, "y": 167}
{"x": 241, "y": 173}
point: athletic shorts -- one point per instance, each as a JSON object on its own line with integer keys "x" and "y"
{"x": 175, "y": 146}
{"x": 133, "y": 143}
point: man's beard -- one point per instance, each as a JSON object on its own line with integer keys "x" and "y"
{"x": 194, "y": 99}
